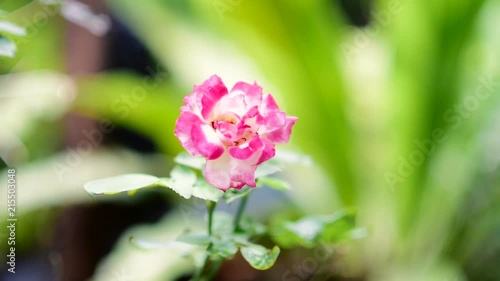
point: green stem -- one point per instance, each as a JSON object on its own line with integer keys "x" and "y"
{"x": 239, "y": 213}
{"x": 236, "y": 226}
{"x": 215, "y": 268}
{"x": 198, "y": 276}
{"x": 211, "y": 207}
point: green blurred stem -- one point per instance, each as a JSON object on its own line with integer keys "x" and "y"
{"x": 236, "y": 226}
{"x": 199, "y": 275}
{"x": 211, "y": 207}
{"x": 239, "y": 213}
{"x": 208, "y": 267}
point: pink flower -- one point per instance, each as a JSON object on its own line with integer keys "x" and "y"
{"x": 235, "y": 131}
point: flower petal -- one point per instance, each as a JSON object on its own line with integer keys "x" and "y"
{"x": 233, "y": 103}
{"x": 244, "y": 170}
{"x": 183, "y": 127}
{"x": 206, "y": 141}
{"x": 192, "y": 103}
{"x": 213, "y": 89}
{"x": 247, "y": 149}
{"x": 268, "y": 105}
{"x": 252, "y": 93}
{"x": 268, "y": 151}
{"x": 280, "y": 134}
{"x": 226, "y": 171}
{"x": 217, "y": 172}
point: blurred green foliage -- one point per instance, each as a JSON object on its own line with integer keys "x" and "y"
{"x": 370, "y": 102}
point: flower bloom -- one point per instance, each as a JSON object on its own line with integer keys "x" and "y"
{"x": 235, "y": 131}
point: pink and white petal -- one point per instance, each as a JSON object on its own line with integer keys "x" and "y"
{"x": 232, "y": 103}
{"x": 217, "y": 172}
{"x": 248, "y": 149}
{"x": 206, "y": 141}
{"x": 249, "y": 122}
{"x": 252, "y": 92}
{"x": 228, "y": 132}
{"x": 268, "y": 151}
{"x": 268, "y": 105}
{"x": 183, "y": 128}
{"x": 243, "y": 171}
{"x": 192, "y": 103}
{"x": 237, "y": 185}
{"x": 282, "y": 134}
{"x": 272, "y": 121}
{"x": 213, "y": 89}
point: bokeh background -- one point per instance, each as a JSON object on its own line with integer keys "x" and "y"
{"x": 397, "y": 102}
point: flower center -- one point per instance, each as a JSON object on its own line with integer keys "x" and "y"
{"x": 231, "y": 130}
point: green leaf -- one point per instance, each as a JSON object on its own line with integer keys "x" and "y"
{"x": 273, "y": 183}
{"x": 342, "y": 228}
{"x": 233, "y": 194}
{"x": 223, "y": 248}
{"x": 308, "y": 229}
{"x": 205, "y": 191}
{"x": 7, "y": 48}
{"x": 313, "y": 230}
{"x": 121, "y": 183}
{"x": 10, "y": 28}
{"x": 195, "y": 239}
{"x": 251, "y": 227}
{"x": 181, "y": 181}
{"x": 186, "y": 159}
{"x": 259, "y": 257}
{"x": 267, "y": 168}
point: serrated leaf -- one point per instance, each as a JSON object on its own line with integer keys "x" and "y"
{"x": 259, "y": 257}
{"x": 273, "y": 183}
{"x": 7, "y": 48}
{"x": 8, "y": 27}
{"x": 267, "y": 168}
{"x": 186, "y": 159}
{"x": 232, "y": 194}
{"x": 121, "y": 183}
{"x": 200, "y": 239}
{"x": 181, "y": 181}
{"x": 205, "y": 191}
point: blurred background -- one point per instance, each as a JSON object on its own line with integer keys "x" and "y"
{"x": 397, "y": 102}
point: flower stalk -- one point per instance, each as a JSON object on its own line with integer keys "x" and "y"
{"x": 199, "y": 275}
